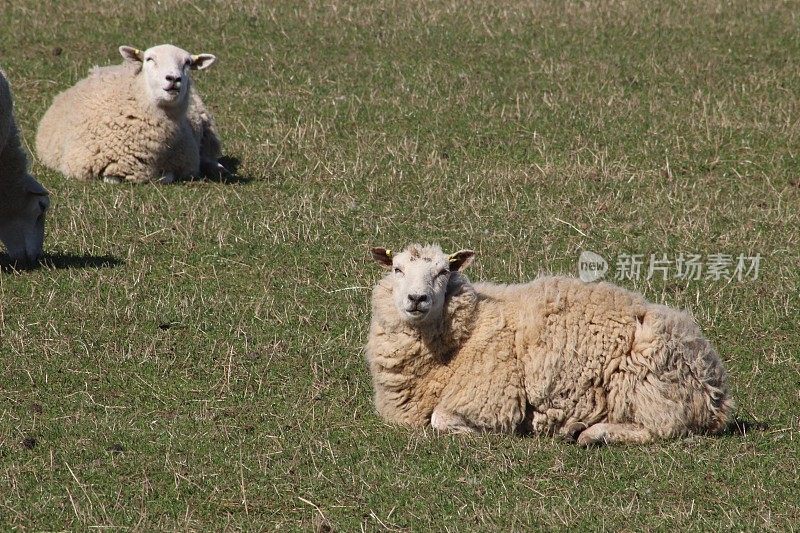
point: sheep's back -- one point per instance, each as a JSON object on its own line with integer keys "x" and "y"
{"x": 74, "y": 117}
{"x": 100, "y": 126}
{"x": 574, "y": 336}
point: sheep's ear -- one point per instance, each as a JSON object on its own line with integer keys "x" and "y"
{"x": 382, "y": 256}
{"x": 202, "y": 61}
{"x": 461, "y": 260}
{"x": 129, "y": 53}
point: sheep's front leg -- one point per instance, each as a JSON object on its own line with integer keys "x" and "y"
{"x": 604, "y": 433}
{"x": 126, "y": 169}
{"x": 445, "y": 421}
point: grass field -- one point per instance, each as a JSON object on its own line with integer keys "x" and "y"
{"x": 191, "y": 357}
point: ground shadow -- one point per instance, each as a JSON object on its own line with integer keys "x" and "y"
{"x": 741, "y": 427}
{"x": 66, "y": 260}
{"x": 60, "y": 261}
{"x": 230, "y": 174}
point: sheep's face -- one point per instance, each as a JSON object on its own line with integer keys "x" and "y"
{"x": 22, "y": 227}
{"x": 166, "y": 71}
{"x": 419, "y": 277}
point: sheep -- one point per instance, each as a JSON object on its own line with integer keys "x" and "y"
{"x": 139, "y": 121}
{"x": 590, "y": 362}
{"x": 23, "y": 200}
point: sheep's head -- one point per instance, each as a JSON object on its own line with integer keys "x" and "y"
{"x": 22, "y": 222}
{"x": 166, "y": 71}
{"x": 419, "y": 276}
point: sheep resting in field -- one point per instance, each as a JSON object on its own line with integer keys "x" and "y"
{"x": 23, "y": 201}
{"x": 554, "y": 356}
{"x": 139, "y": 121}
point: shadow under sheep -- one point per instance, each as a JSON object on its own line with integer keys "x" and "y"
{"x": 230, "y": 174}
{"x": 741, "y": 427}
{"x": 61, "y": 261}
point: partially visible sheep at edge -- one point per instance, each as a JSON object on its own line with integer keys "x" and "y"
{"x": 554, "y": 356}
{"x": 139, "y": 121}
{"x": 23, "y": 200}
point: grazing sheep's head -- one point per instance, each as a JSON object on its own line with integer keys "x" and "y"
{"x": 22, "y": 223}
{"x": 419, "y": 276}
{"x": 166, "y": 71}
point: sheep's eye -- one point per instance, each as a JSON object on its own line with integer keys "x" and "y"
{"x": 188, "y": 62}
{"x": 397, "y": 270}
{"x": 443, "y": 272}
{"x": 149, "y": 59}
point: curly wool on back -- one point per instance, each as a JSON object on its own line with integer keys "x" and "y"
{"x": 553, "y": 356}
{"x": 108, "y": 126}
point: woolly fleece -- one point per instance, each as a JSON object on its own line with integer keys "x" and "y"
{"x": 104, "y": 126}
{"x": 553, "y": 356}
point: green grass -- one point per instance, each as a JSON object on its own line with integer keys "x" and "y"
{"x": 192, "y": 358}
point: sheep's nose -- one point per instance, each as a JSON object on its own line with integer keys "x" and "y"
{"x": 173, "y": 78}
{"x": 418, "y": 298}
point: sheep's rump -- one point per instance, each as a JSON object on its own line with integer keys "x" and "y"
{"x": 599, "y": 353}
{"x": 558, "y": 352}
{"x": 100, "y": 128}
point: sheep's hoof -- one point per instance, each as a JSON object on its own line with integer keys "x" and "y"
{"x": 213, "y": 169}
{"x": 573, "y": 431}
{"x": 115, "y": 180}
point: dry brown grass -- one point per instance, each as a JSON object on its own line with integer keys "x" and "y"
{"x": 191, "y": 359}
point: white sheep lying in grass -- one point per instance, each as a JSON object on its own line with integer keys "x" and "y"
{"x": 553, "y": 356}
{"x": 23, "y": 201}
{"x": 139, "y": 121}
